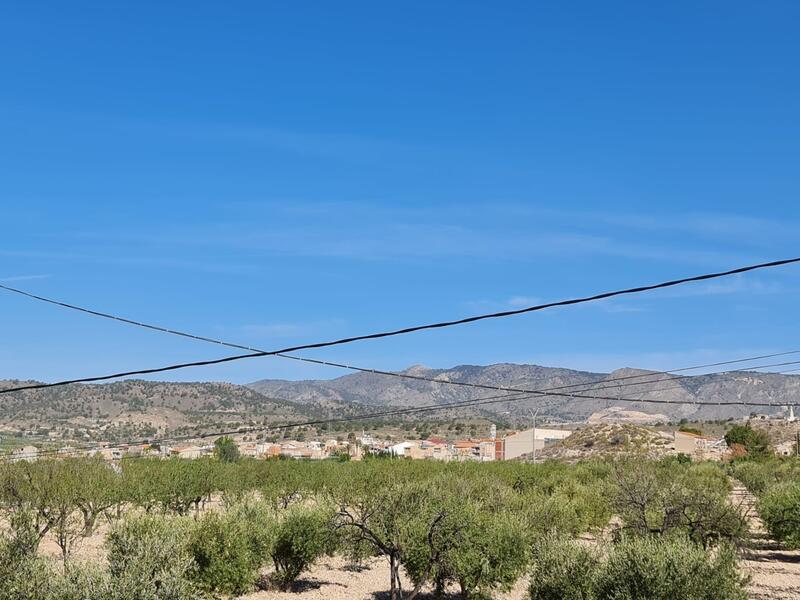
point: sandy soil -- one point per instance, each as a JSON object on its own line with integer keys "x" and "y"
{"x": 333, "y": 579}
{"x": 775, "y": 571}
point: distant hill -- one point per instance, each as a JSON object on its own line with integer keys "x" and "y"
{"x": 142, "y": 408}
{"x": 382, "y": 391}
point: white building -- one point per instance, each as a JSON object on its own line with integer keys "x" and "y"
{"x": 523, "y": 442}
{"x": 29, "y": 453}
{"x": 401, "y": 449}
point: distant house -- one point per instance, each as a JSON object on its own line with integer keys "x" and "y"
{"x": 698, "y": 446}
{"x": 295, "y": 449}
{"x": 267, "y": 449}
{"x": 436, "y": 448}
{"x": 517, "y": 444}
{"x": 786, "y": 448}
{"x": 107, "y": 453}
{"x": 402, "y": 449}
{"x": 27, "y": 453}
{"x": 482, "y": 450}
{"x": 464, "y": 450}
{"x": 137, "y": 450}
{"x": 248, "y": 449}
{"x": 188, "y": 452}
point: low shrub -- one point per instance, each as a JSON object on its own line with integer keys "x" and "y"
{"x": 149, "y": 559}
{"x": 23, "y": 578}
{"x": 563, "y": 570}
{"x": 301, "y": 537}
{"x": 780, "y": 509}
{"x": 223, "y": 552}
{"x": 756, "y": 476}
{"x": 89, "y": 582}
{"x": 648, "y": 568}
{"x": 636, "y": 568}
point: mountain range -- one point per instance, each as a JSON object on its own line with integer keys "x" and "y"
{"x": 675, "y": 396}
{"x": 135, "y": 407}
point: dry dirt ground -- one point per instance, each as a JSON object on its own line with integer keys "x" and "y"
{"x": 332, "y": 579}
{"x": 775, "y": 571}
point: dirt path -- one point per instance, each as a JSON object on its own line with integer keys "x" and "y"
{"x": 775, "y": 571}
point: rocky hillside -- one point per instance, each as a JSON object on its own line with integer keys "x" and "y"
{"x": 608, "y": 439}
{"x": 378, "y": 390}
{"x": 145, "y": 408}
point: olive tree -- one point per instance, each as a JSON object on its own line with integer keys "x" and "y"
{"x": 665, "y": 497}
{"x": 389, "y": 515}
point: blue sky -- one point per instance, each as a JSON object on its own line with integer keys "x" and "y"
{"x": 273, "y": 174}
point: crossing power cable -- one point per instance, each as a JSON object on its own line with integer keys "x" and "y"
{"x": 329, "y": 363}
{"x": 442, "y": 324}
{"x": 592, "y": 385}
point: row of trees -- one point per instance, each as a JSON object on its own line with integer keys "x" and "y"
{"x": 475, "y": 527}
{"x": 776, "y": 484}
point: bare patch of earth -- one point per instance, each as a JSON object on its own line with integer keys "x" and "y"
{"x": 335, "y": 579}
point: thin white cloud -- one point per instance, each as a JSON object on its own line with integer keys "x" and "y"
{"x": 619, "y": 308}
{"x": 23, "y": 278}
{"x": 738, "y": 284}
{"x": 134, "y": 260}
{"x": 387, "y": 239}
{"x": 514, "y": 302}
{"x": 523, "y": 301}
{"x": 267, "y": 331}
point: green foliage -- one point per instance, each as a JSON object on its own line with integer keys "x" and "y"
{"x": 87, "y": 582}
{"x": 647, "y": 568}
{"x": 755, "y": 441}
{"x": 637, "y": 568}
{"x": 760, "y": 476}
{"x": 224, "y": 554}
{"x": 302, "y": 536}
{"x": 226, "y": 449}
{"x": 148, "y": 557}
{"x": 487, "y": 552}
{"x": 780, "y": 510}
{"x": 563, "y": 570}
{"x": 668, "y": 497}
{"x": 174, "y": 485}
{"x": 471, "y": 525}
{"x": 31, "y": 577}
{"x": 755, "y": 476}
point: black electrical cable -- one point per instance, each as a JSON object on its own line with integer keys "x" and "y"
{"x": 442, "y": 324}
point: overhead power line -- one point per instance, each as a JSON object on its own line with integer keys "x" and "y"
{"x": 258, "y": 353}
{"x": 436, "y": 380}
